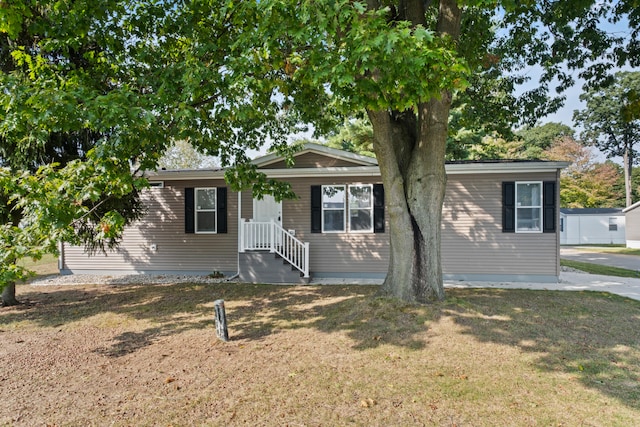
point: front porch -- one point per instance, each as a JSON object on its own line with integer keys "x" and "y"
{"x": 270, "y": 254}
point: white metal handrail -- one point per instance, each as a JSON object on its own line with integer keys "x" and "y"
{"x": 272, "y": 237}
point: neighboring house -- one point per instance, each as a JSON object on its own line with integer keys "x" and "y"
{"x": 632, "y": 217}
{"x": 499, "y": 223}
{"x": 592, "y": 226}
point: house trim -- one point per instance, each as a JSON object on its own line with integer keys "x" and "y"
{"x": 630, "y": 208}
{"x": 344, "y": 171}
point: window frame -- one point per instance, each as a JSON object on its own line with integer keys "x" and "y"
{"x": 197, "y": 210}
{"x": 370, "y": 209}
{"x": 540, "y": 207}
{"x": 343, "y": 209}
{"x": 613, "y": 223}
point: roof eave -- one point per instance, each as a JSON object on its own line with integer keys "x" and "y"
{"x": 184, "y": 174}
{"x": 451, "y": 169}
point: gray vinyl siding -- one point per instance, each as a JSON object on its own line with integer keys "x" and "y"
{"x": 472, "y": 239}
{"x": 312, "y": 160}
{"x": 632, "y": 223}
{"x": 163, "y": 225}
{"x": 331, "y": 252}
{"x": 473, "y": 243}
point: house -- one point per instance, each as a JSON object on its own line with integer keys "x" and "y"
{"x": 632, "y": 232}
{"x": 592, "y": 226}
{"x": 499, "y": 223}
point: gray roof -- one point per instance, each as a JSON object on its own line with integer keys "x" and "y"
{"x": 591, "y": 211}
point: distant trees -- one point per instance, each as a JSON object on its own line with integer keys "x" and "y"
{"x": 355, "y": 135}
{"x": 182, "y": 155}
{"x": 537, "y": 139}
{"x": 585, "y": 183}
{"x": 611, "y": 121}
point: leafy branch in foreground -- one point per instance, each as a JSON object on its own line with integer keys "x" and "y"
{"x": 85, "y": 202}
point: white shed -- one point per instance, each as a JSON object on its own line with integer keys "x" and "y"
{"x": 632, "y": 218}
{"x": 592, "y": 226}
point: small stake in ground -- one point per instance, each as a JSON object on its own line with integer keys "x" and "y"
{"x": 221, "y": 320}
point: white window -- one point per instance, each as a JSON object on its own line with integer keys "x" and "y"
{"x": 529, "y": 207}
{"x": 347, "y": 208}
{"x": 613, "y": 224}
{"x": 361, "y": 208}
{"x": 205, "y": 200}
{"x": 333, "y": 207}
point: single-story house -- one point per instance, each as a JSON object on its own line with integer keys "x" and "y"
{"x": 632, "y": 218}
{"x": 499, "y": 223}
{"x": 584, "y": 226}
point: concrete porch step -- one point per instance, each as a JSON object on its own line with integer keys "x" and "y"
{"x": 267, "y": 267}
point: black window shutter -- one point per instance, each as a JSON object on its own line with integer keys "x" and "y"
{"x": 221, "y": 209}
{"x": 189, "y": 207}
{"x": 378, "y": 208}
{"x": 549, "y": 206}
{"x": 316, "y": 209}
{"x": 508, "y": 207}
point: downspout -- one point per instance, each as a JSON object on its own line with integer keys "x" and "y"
{"x": 558, "y": 232}
{"x": 239, "y": 234}
{"x": 60, "y": 257}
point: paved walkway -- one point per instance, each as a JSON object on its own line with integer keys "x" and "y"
{"x": 623, "y": 286}
{"x": 577, "y": 253}
{"x": 626, "y": 287}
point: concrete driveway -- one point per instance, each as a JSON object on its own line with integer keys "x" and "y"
{"x": 577, "y": 253}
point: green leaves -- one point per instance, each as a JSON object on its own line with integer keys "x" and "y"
{"x": 365, "y": 60}
{"x": 12, "y": 16}
{"x": 86, "y": 202}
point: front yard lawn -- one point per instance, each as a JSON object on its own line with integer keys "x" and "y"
{"x": 317, "y": 356}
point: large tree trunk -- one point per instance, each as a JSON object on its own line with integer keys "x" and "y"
{"x": 410, "y": 147}
{"x": 411, "y": 153}
{"x": 9, "y": 295}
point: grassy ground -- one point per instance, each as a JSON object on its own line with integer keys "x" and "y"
{"x": 588, "y": 267}
{"x": 47, "y": 265}
{"x": 318, "y": 356}
{"x": 613, "y": 249}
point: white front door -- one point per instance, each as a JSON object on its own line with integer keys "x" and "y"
{"x": 267, "y": 209}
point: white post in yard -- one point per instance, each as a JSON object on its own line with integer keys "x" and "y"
{"x": 221, "y": 320}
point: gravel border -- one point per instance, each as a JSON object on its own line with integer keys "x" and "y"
{"x": 125, "y": 279}
{"x": 165, "y": 279}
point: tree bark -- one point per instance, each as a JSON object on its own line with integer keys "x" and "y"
{"x": 9, "y": 295}
{"x": 410, "y": 147}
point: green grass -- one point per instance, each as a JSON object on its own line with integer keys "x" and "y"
{"x": 599, "y": 269}
{"x": 615, "y": 250}
{"x": 47, "y": 265}
{"x": 609, "y": 249}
